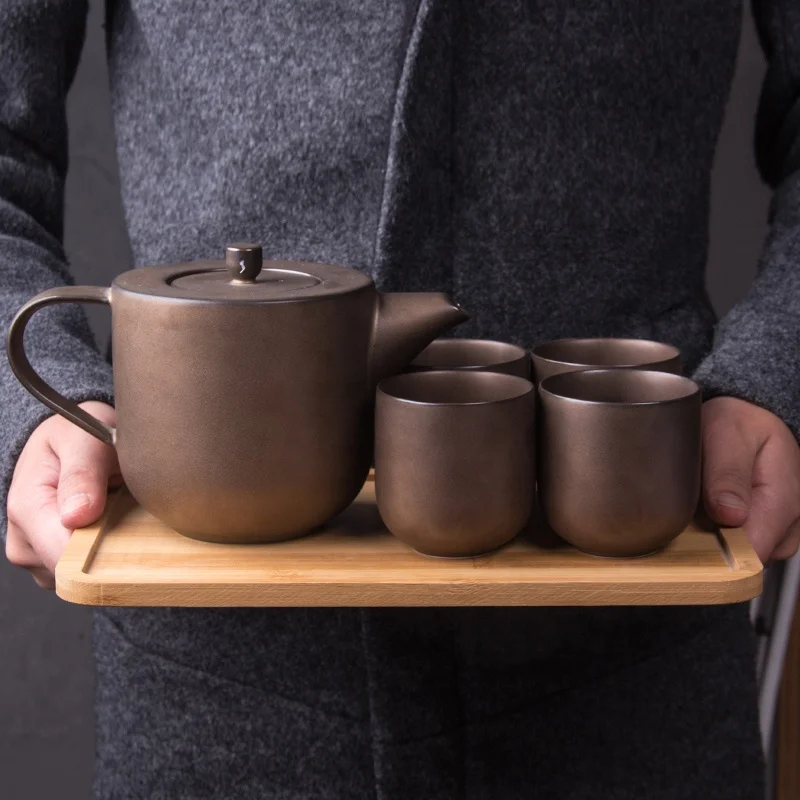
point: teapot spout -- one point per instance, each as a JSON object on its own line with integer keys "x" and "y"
{"x": 405, "y": 324}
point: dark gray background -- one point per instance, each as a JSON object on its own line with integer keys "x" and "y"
{"x": 46, "y": 739}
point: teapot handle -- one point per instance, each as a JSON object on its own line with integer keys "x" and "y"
{"x": 31, "y": 380}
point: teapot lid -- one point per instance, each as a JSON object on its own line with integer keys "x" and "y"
{"x": 244, "y": 275}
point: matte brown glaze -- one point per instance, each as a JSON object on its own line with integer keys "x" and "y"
{"x": 473, "y": 354}
{"x": 455, "y": 460}
{"x": 619, "y": 458}
{"x": 245, "y": 407}
{"x": 571, "y": 355}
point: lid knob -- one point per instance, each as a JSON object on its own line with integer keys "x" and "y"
{"x": 243, "y": 262}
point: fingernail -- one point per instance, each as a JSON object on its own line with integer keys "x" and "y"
{"x": 75, "y": 503}
{"x": 733, "y": 501}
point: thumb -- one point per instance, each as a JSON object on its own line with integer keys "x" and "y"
{"x": 729, "y": 456}
{"x": 86, "y": 466}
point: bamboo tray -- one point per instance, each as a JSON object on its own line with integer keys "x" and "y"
{"x": 131, "y": 559}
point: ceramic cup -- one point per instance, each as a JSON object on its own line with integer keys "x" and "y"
{"x": 619, "y": 458}
{"x": 571, "y": 355}
{"x": 473, "y": 355}
{"x": 455, "y": 459}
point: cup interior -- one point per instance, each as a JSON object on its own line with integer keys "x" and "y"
{"x": 455, "y": 388}
{"x": 606, "y": 352}
{"x": 620, "y": 386}
{"x": 448, "y": 354}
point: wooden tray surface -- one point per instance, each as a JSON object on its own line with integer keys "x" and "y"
{"x": 129, "y": 558}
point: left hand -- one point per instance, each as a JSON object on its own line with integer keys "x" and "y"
{"x": 751, "y": 475}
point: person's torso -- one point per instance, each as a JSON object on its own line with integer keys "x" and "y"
{"x": 546, "y": 162}
{"x": 549, "y": 163}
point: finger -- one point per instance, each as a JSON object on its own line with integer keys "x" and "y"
{"x": 21, "y": 554}
{"x": 37, "y": 522}
{"x": 44, "y": 578}
{"x": 33, "y": 519}
{"x": 47, "y": 536}
{"x": 729, "y": 454}
{"x": 775, "y": 506}
{"x": 86, "y": 466}
{"x": 18, "y": 551}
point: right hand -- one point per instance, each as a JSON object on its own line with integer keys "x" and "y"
{"x": 59, "y": 484}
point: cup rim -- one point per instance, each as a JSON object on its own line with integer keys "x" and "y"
{"x": 385, "y": 387}
{"x": 667, "y": 376}
{"x": 520, "y": 354}
{"x": 676, "y": 353}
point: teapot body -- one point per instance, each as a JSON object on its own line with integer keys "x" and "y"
{"x": 244, "y": 389}
{"x": 243, "y": 422}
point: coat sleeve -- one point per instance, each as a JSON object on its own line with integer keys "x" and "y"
{"x": 40, "y": 45}
{"x": 756, "y": 353}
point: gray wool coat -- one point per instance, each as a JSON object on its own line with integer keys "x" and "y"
{"x": 547, "y": 162}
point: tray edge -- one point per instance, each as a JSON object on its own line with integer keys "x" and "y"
{"x": 88, "y": 592}
{"x": 76, "y": 585}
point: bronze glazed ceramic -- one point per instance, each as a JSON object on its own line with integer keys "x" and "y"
{"x": 455, "y": 459}
{"x": 244, "y": 388}
{"x": 570, "y": 355}
{"x": 619, "y": 458}
{"x": 473, "y": 354}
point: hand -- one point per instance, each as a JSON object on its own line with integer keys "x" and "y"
{"x": 751, "y": 475}
{"x": 59, "y": 484}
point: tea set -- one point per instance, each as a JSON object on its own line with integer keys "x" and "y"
{"x": 252, "y": 397}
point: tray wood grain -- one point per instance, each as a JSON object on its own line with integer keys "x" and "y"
{"x": 129, "y": 558}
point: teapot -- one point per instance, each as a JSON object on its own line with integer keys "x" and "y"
{"x": 244, "y": 388}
